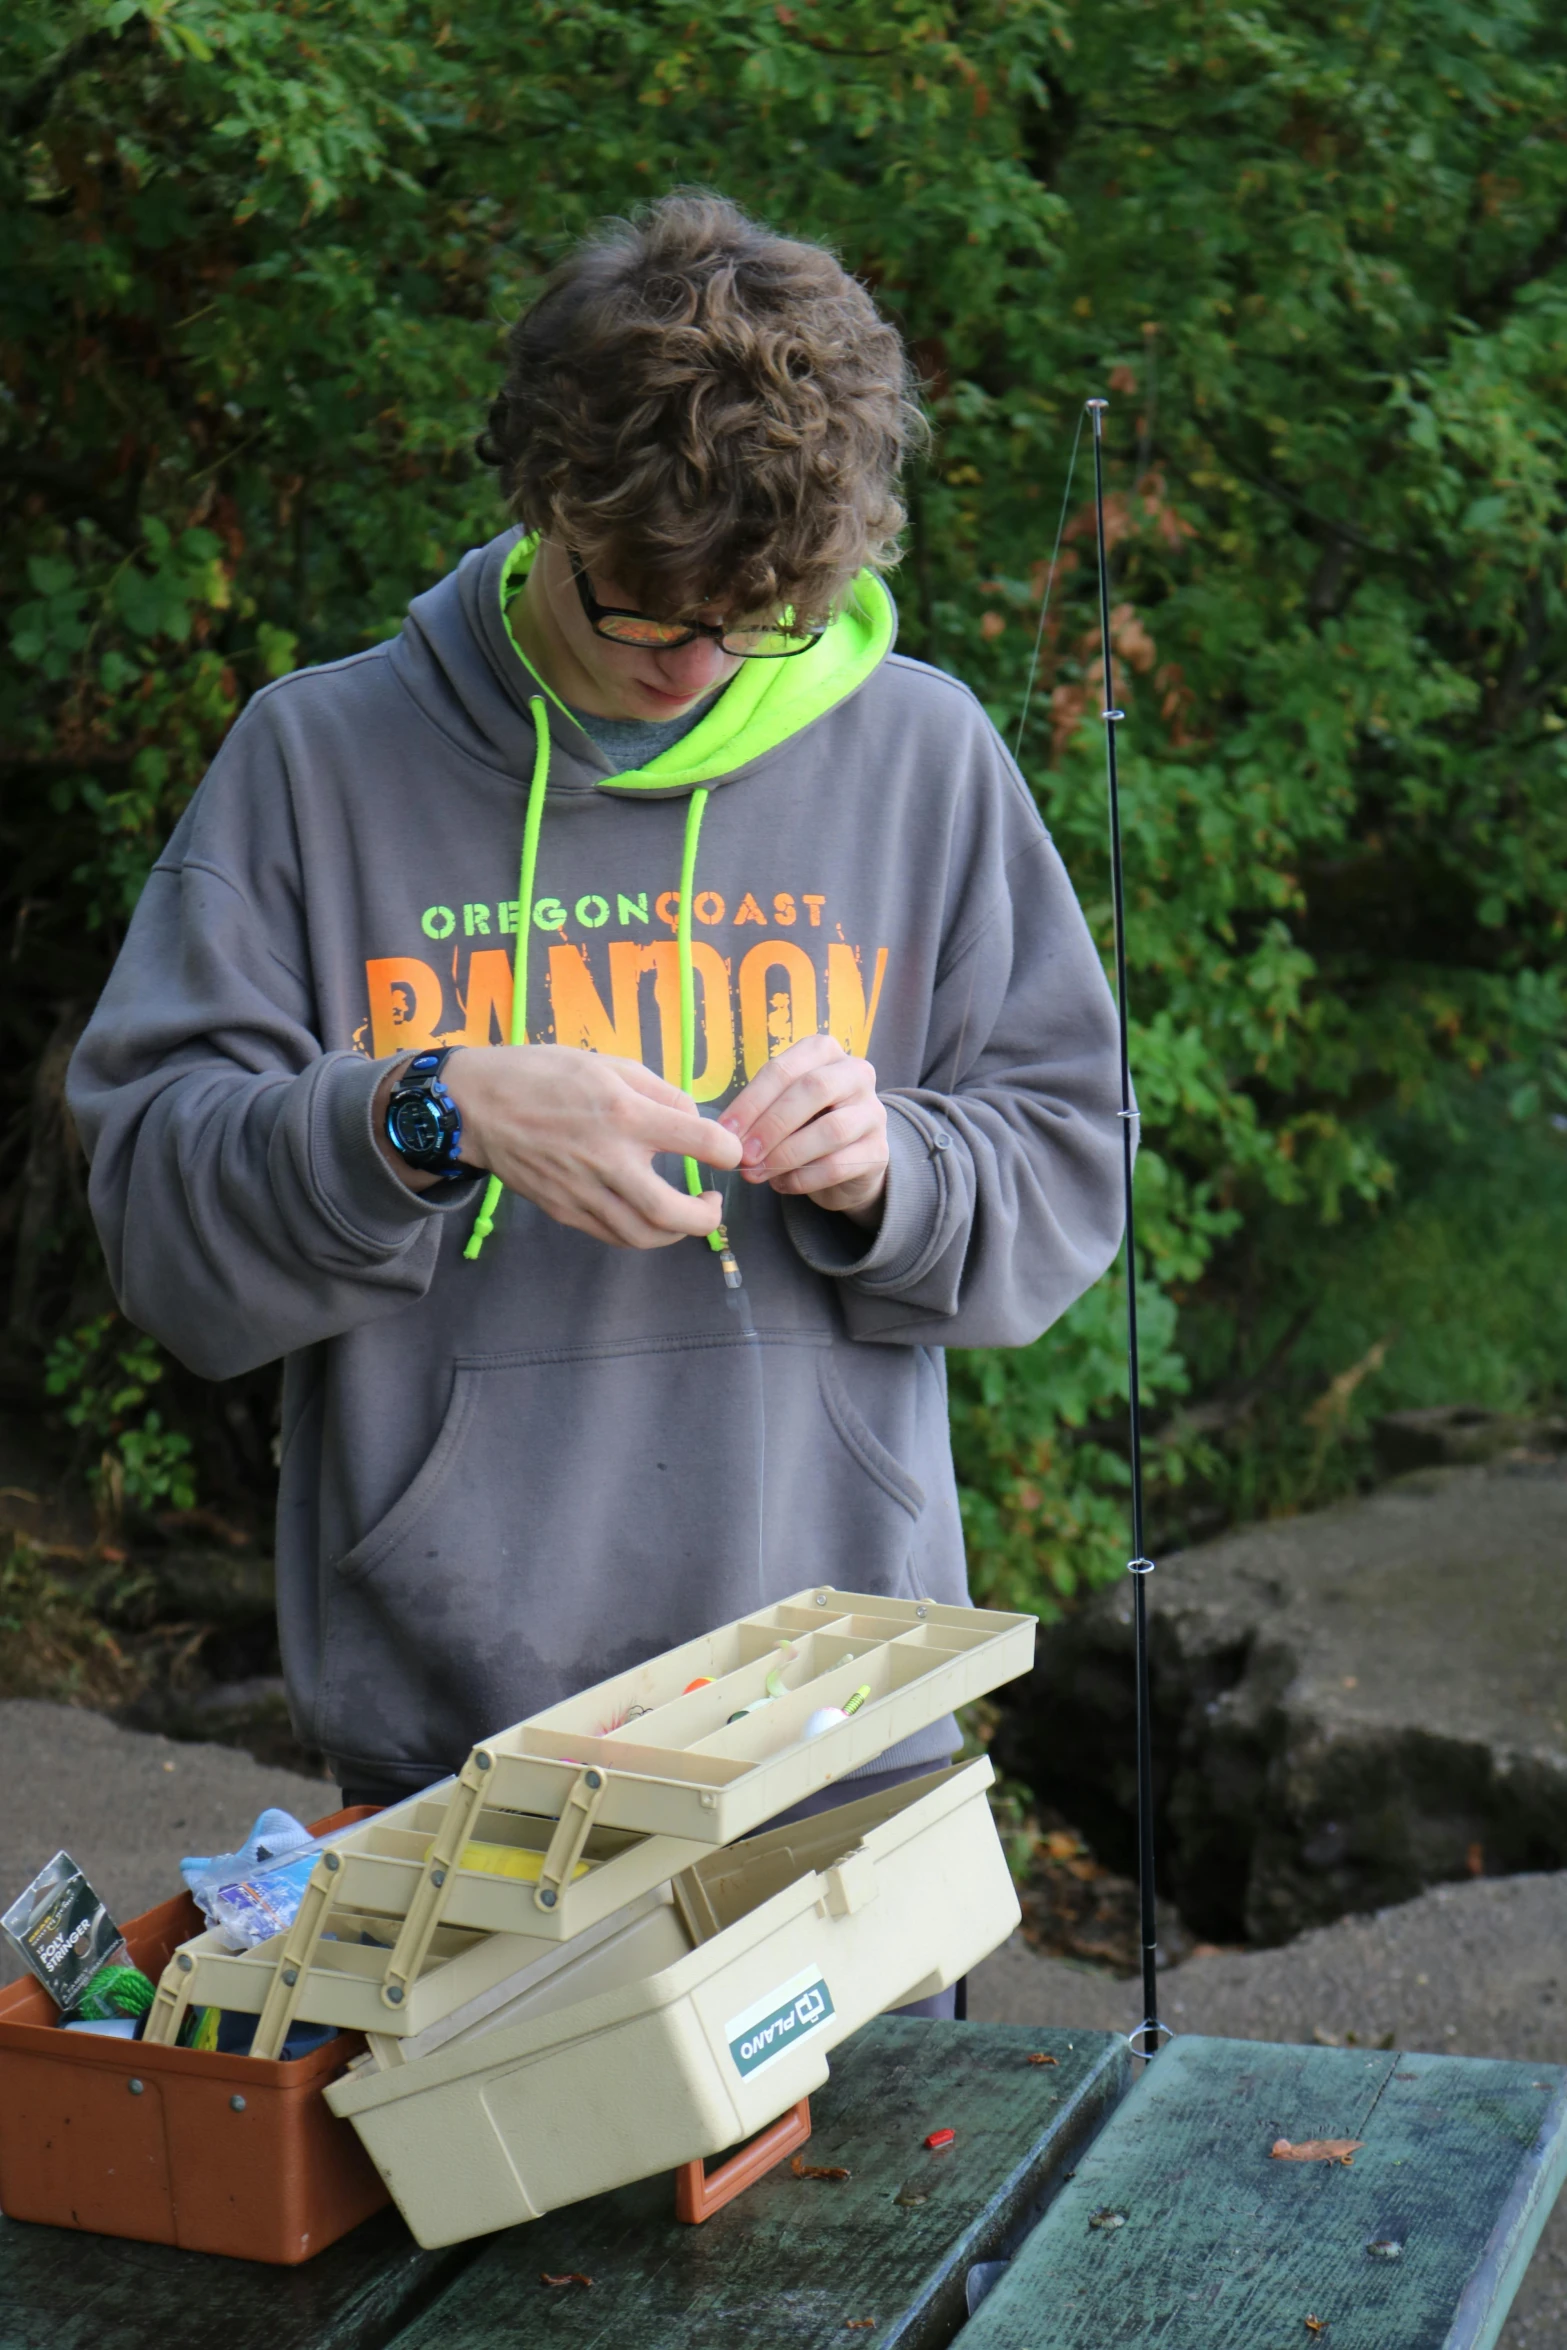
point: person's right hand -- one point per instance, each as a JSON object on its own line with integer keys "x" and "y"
{"x": 577, "y": 1132}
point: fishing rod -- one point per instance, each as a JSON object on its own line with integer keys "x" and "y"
{"x": 1150, "y": 2034}
{"x": 1146, "y": 2039}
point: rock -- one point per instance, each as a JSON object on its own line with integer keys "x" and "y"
{"x": 230, "y": 1587}
{"x": 1478, "y": 1969}
{"x": 1348, "y": 1707}
{"x": 1460, "y": 1435}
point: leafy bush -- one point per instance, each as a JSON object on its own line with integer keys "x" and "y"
{"x": 105, "y": 1372}
{"x": 260, "y": 261}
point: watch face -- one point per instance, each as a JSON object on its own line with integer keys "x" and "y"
{"x": 416, "y": 1124}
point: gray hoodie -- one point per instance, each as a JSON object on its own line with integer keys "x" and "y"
{"x": 504, "y": 1479}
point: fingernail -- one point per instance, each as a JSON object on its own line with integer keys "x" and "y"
{"x": 730, "y": 1125}
{"x": 751, "y": 1151}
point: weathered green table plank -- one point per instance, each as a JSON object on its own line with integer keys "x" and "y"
{"x": 790, "y": 2264}
{"x": 63, "y": 2290}
{"x": 1223, "y": 2247}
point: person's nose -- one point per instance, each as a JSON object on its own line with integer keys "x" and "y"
{"x": 691, "y": 669}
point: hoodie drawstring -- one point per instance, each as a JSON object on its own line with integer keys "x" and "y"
{"x": 484, "y": 1222}
{"x": 695, "y": 810}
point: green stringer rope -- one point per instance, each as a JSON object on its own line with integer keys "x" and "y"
{"x": 696, "y": 809}
{"x": 484, "y": 1222}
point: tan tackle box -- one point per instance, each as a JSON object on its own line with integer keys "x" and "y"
{"x": 577, "y": 1888}
{"x": 699, "y": 2022}
{"x": 554, "y": 1826}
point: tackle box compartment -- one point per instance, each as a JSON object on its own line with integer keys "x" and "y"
{"x": 213, "y": 2153}
{"x": 710, "y": 2013}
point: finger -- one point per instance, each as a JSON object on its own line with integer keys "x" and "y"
{"x": 713, "y": 1143}
{"x": 658, "y": 1126}
{"x": 836, "y": 1130}
{"x": 618, "y": 1221}
{"x": 646, "y": 1081}
{"x": 578, "y": 1217}
{"x": 624, "y": 1228}
{"x": 662, "y": 1210}
{"x": 839, "y": 1168}
{"x": 817, "y": 1095}
{"x": 810, "y": 1052}
{"x": 605, "y": 1212}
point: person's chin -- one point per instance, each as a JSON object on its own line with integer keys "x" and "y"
{"x": 658, "y": 704}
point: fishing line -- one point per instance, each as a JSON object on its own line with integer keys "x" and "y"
{"x": 1050, "y": 581}
{"x": 738, "y": 1299}
{"x": 1028, "y": 690}
{"x": 1150, "y": 2032}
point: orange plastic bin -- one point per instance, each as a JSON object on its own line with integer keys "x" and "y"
{"x": 232, "y": 2154}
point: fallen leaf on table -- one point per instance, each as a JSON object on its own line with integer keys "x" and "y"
{"x": 857, "y": 2325}
{"x": 1317, "y": 2325}
{"x": 1044, "y": 2060}
{"x": 1317, "y": 2150}
{"x": 576, "y": 2278}
{"x": 801, "y": 2169}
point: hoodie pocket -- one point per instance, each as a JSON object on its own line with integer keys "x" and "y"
{"x": 861, "y": 1442}
{"x": 581, "y": 1510}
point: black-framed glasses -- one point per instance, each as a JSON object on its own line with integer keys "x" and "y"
{"x": 774, "y": 643}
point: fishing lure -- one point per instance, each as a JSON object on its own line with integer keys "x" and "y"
{"x": 775, "y": 1684}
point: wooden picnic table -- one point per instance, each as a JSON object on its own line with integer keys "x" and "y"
{"x": 992, "y": 2238}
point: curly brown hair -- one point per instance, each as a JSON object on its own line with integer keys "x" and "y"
{"x": 707, "y": 413}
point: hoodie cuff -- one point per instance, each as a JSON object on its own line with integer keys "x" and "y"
{"x": 913, "y": 1214}
{"x": 355, "y": 1183}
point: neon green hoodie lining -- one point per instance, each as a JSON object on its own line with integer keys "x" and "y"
{"x": 762, "y": 706}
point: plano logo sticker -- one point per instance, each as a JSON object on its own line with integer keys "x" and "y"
{"x": 761, "y": 2034}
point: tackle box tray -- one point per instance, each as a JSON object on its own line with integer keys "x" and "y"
{"x": 681, "y": 1765}
{"x": 708, "y": 2010}
{"x": 555, "y": 1826}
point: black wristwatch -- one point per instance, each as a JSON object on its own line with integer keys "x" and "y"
{"x": 423, "y": 1123}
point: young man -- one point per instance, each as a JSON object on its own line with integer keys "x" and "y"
{"x": 786, "y": 889}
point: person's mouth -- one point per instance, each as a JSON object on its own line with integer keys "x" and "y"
{"x": 659, "y": 693}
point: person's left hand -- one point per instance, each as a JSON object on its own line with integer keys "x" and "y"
{"x": 812, "y": 1122}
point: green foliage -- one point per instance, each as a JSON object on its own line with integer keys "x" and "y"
{"x": 260, "y": 262}
{"x": 105, "y": 1372}
{"x": 1461, "y": 1298}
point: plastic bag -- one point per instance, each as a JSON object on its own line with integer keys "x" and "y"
{"x": 254, "y": 1893}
